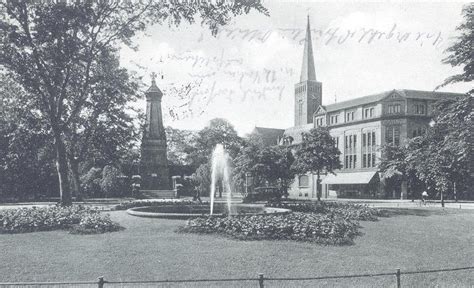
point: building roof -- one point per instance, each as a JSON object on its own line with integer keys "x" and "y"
{"x": 417, "y": 94}
{"x": 295, "y": 132}
{"x": 308, "y": 71}
{"x": 270, "y": 136}
{"x": 154, "y": 88}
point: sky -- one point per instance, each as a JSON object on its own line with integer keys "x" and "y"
{"x": 246, "y": 74}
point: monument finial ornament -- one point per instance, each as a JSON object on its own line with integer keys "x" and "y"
{"x": 153, "y": 78}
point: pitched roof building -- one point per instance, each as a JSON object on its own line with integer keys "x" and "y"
{"x": 359, "y": 126}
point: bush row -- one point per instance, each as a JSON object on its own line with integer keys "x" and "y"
{"x": 347, "y": 211}
{"x": 311, "y": 227}
{"x": 77, "y": 219}
{"x": 156, "y": 202}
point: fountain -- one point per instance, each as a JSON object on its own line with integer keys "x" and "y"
{"x": 220, "y": 171}
{"x": 220, "y": 174}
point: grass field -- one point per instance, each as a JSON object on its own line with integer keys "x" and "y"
{"x": 150, "y": 249}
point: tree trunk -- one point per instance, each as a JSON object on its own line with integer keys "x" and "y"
{"x": 442, "y": 198}
{"x": 76, "y": 182}
{"x": 62, "y": 168}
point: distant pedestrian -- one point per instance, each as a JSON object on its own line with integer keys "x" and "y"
{"x": 424, "y": 196}
{"x": 197, "y": 196}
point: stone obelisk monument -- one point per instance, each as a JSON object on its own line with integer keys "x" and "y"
{"x": 154, "y": 172}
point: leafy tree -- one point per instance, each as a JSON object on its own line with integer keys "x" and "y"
{"x": 90, "y": 182}
{"x": 255, "y": 139}
{"x": 265, "y": 164}
{"x": 54, "y": 49}
{"x": 110, "y": 184}
{"x": 26, "y": 160}
{"x": 395, "y": 168}
{"x": 202, "y": 178}
{"x": 317, "y": 153}
{"x": 103, "y": 132}
{"x": 461, "y": 52}
{"x": 179, "y": 144}
{"x": 219, "y": 131}
{"x": 442, "y": 157}
{"x": 244, "y": 163}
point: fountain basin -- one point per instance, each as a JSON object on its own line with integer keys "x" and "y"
{"x": 189, "y": 211}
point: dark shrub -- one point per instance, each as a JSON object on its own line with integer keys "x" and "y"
{"x": 272, "y": 194}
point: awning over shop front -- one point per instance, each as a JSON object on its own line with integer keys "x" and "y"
{"x": 349, "y": 178}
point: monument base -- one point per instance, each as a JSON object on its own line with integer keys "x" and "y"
{"x": 158, "y": 194}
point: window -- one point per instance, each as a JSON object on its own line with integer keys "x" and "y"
{"x": 350, "y": 150}
{"x": 349, "y": 116}
{"x": 369, "y": 112}
{"x": 420, "y": 109}
{"x": 334, "y": 119}
{"x": 394, "y": 108}
{"x": 303, "y": 181}
{"x": 368, "y": 149}
{"x": 319, "y": 122}
{"x": 392, "y": 135}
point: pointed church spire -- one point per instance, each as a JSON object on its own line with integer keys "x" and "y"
{"x": 307, "y": 70}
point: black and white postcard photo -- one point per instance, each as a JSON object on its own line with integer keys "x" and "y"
{"x": 236, "y": 143}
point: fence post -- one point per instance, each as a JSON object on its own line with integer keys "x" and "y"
{"x": 101, "y": 282}
{"x": 398, "y": 278}
{"x": 260, "y": 280}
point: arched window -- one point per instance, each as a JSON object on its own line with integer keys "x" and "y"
{"x": 303, "y": 181}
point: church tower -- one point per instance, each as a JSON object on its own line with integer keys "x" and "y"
{"x": 154, "y": 162}
{"x": 308, "y": 92}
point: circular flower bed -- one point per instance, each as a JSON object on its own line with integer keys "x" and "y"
{"x": 333, "y": 223}
{"x": 76, "y": 219}
{"x": 182, "y": 210}
{"x": 323, "y": 229}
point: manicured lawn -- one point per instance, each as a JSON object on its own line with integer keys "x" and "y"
{"x": 151, "y": 249}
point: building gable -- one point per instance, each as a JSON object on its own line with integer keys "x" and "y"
{"x": 394, "y": 96}
{"x": 320, "y": 110}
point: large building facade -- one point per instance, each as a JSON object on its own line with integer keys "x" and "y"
{"x": 360, "y": 127}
